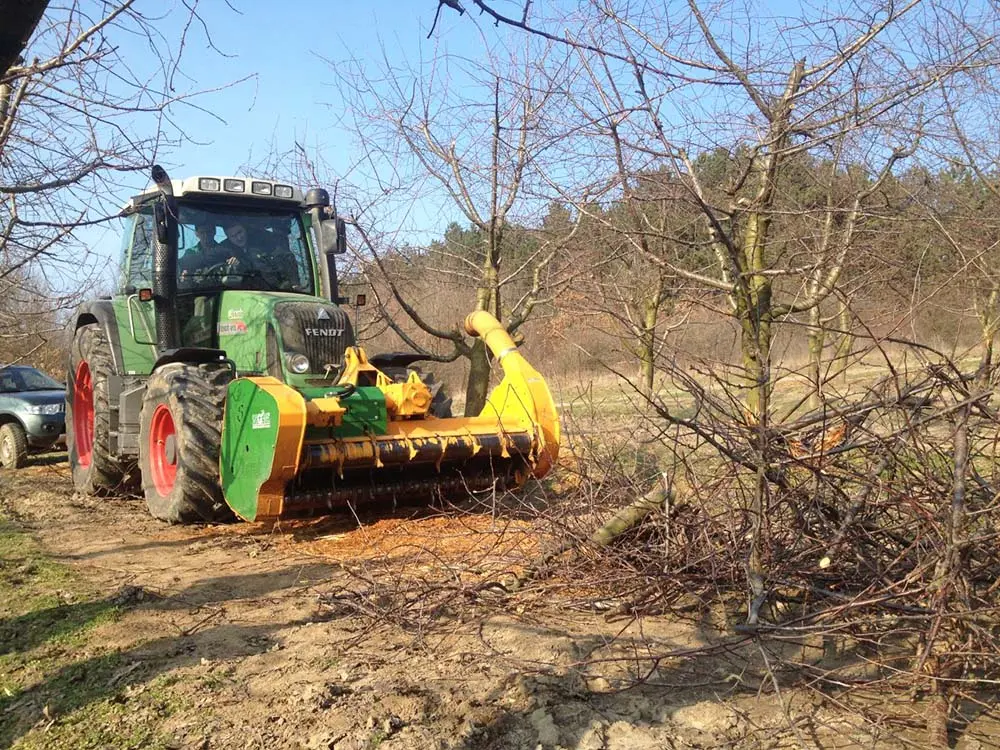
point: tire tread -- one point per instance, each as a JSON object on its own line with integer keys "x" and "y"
{"x": 195, "y": 395}
{"x": 106, "y": 474}
{"x": 14, "y": 432}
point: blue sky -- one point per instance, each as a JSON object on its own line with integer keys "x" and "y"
{"x": 282, "y": 47}
{"x": 281, "y": 50}
{"x": 270, "y": 84}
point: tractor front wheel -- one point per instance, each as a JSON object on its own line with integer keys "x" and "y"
{"x": 180, "y": 431}
{"x": 96, "y": 471}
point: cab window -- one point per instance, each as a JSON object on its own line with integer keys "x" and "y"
{"x": 138, "y": 252}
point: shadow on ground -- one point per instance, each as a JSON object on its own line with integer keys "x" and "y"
{"x": 50, "y": 634}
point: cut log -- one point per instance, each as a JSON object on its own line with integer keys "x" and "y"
{"x": 625, "y": 519}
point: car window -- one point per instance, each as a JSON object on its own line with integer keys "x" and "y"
{"x": 15, "y": 379}
{"x": 265, "y": 250}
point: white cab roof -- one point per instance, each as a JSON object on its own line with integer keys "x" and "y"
{"x": 193, "y": 186}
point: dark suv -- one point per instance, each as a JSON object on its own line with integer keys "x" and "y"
{"x": 32, "y": 413}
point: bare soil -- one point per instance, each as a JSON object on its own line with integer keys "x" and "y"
{"x": 353, "y": 633}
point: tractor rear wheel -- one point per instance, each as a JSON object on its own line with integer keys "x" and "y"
{"x": 96, "y": 471}
{"x": 440, "y": 400}
{"x": 180, "y": 431}
{"x": 13, "y": 446}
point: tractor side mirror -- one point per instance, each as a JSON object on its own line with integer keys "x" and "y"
{"x": 334, "y": 232}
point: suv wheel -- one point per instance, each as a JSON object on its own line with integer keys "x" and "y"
{"x": 13, "y": 446}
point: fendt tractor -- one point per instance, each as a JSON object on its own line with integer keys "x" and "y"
{"x": 224, "y": 374}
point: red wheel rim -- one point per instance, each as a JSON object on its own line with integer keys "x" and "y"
{"x": 83, "y": 414}
{"x": 162, "y": 450}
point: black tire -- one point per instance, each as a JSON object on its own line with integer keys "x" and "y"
{"x": 13, "y": 446}
{"x": 180, "y": 432}
{"x": 440, "y": 400}
{"x": 96, "y": 471}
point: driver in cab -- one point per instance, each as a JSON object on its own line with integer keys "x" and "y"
{"x": 210, "y": 262}
{"x": 264, "y": 254}
{"x": 235, "y": 250}
{"x": 202, "y": 256}
{"x": 235, "y": 244}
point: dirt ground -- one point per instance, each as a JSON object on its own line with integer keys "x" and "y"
{"x": 119, "y": 631}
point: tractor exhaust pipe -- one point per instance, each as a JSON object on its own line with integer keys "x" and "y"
{"x": 165, "y": 263}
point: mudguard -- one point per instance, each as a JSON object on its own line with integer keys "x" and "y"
{"x": 102, "y": 312}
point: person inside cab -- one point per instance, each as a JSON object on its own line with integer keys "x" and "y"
{"x": 250, "y": 257}
{"x": 198, "y": 259}
{"x": 275, "y": 261}
{"x": 236, "y": 253}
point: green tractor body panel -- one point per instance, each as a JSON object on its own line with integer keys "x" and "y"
{"x": 137, "y": 334}
{"x": 250, "y": 436}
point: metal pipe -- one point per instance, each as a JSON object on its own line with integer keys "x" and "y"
{"x": 165, "y": 264}
{"x": 493, "y": 334}
{"x": 523, "y": 392}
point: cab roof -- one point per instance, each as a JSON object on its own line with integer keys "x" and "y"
{"x": 237, "y": 187}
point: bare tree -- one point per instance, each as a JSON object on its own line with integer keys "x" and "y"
{"x": 481, "y": 145}
{"x": 75, "y": 114}
{"x": 962, "y": 207}
{"x": 669, "y": 82}
{"x": 629, "y": 248}
{"x": 857, "y": 91}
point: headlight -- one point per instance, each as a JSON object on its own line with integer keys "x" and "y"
{"x": 298, "y": 363}
{"x": 44, "y": 409}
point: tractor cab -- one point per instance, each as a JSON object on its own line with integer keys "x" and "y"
{"x": 239, "y": 243}
{"x": 240, "y": 258}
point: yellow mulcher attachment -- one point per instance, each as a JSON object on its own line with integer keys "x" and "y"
{"x": 289, "y": 452}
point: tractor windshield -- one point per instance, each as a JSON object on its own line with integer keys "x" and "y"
{"x": 221, "y": 247}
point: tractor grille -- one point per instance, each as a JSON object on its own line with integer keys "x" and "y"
{"x": 319, "y": 331}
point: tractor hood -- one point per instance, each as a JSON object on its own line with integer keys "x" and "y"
{"x": 293, "y": 337}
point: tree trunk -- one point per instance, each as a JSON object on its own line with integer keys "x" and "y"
{"x": 989, "y": 322}
{"x": 937, "y": 719}
{"x": 478, "y": 385}
{"x": 945, "y": 585}
{"x": 647, "y": 342}
{"x": 845, "y": 341}
{"x": 625, "y": 519}
{"x": 487, "y": 298}
{"x": 816, "y": 340}
{"x": 755, "y": 342}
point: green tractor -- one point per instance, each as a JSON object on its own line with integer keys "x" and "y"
{"x": 223, "y": 376}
